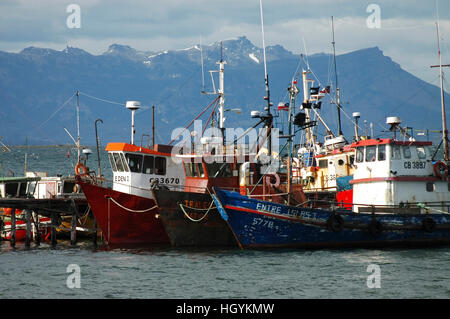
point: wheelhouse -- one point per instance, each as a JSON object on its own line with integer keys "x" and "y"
{"x": 396, "y": 173}
{"x": 136, "y": 168}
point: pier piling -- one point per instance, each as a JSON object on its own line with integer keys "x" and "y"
{"x": 28, "y": 231}
{"x": 13, "y": 227}
{"x": 95, "y": 232}
{"x": 53, "y": 231}
{"x": 36, "y": 227}
{"x": 73, "y": 231}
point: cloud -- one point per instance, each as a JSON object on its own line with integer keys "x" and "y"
{"x": 407, "y": 31}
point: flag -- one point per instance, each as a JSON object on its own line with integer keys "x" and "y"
{"x": 283, "y": 107}
{"x": 326, "y": 90}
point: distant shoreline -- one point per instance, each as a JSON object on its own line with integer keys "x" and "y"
{"x": 53, "y": 146}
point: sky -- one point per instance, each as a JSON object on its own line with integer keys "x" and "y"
{"x": 405, "y": 30}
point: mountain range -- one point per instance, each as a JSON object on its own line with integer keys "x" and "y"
{"x": 38, "y": 85}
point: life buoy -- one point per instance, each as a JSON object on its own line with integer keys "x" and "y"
{"x": 428, "y": 224}
{"x": 80, "y": 169}
{"x": 335, "y": 223}
{"x": 375, "y": 228}
{"x": 440, "y": 169}
{"x": 269, "y": 180}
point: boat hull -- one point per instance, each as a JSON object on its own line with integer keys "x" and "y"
{"x": 191, "y": 219}
{"x": 258, "y": 223}
{"x": 125, "y": 219}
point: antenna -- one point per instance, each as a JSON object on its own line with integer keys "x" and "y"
{"x": 335, "y": 73}
{"x": 268, "y": 117}
{"x": 306, "y": 54}
{"x": 203, "y": 69}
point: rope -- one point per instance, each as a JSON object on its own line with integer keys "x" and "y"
{"x": 132, "y": 210}
{"x": 59, "y": 109}
{"x": 196, "y": 220}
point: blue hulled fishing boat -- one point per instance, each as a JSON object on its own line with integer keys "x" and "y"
{"x": 258, "y": 224}
{"x": 398, "y": 194}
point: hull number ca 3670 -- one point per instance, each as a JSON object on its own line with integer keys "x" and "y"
{"x": 167, "y": 180}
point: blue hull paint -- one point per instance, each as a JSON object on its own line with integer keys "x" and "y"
{"x": 257, "y": 223}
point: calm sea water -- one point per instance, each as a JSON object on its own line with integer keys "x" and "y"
{"x": 164, "y": 272}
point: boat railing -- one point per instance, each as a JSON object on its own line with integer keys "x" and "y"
{"x": 442, "y": 207}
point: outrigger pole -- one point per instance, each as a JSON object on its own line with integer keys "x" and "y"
{"x": 336, "y": 84}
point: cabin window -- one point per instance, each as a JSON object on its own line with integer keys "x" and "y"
{"x": 23, "y": 189}
{"x": 352, "y": 159}
{"x": 323, "y": 163}
{"x": 381, "y": 152}
{"x": 148, "y": 164}
{"x": 125, "y": 165}
{"x": 396, "y": 152}
{"x": 421, "y": 153}
{"x": 68, "y": 187}
{"x": 11, "y": 189}
{"x": 112, "y": 162}
{"x": 134, "y": 162}
{"x": 160, "y": 165}
{"x": 359, "y": 154}
{"x": 118, "y": 162}
{"x": 218, "y": 170}
{"x": 406, "y": 152}
{"x": 32, "y": 187}
{"x": 201, "y": 172}
{"x": 371, "y": 153}
{"x": 430, "y": 187}
{"x": 190, "y": 169}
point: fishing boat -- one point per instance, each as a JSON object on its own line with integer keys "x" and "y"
{"x": 19, "y": 187}
{"x": 127, "y": 213}
{"x": 189, "y": 214}
{"x": 400, "y": 195}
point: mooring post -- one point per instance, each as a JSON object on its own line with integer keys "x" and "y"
{"x": 28, "y": 222}
{"x": 13, "y": 227}
{"x": 37, "y": 234}
{"x": 95, "y": 232}
{"x": 73, "y": 231}
{"x": 53, "y": 231}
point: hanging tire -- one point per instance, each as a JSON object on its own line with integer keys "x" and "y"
{"x": 335, "y": 223}
{"x": 375, "y": 228}
{"x": 428, "y": 224}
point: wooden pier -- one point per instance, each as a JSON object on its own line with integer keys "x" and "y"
{"x": 54, "y": 208}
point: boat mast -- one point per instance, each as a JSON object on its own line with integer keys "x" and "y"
{"x": 336, "y": 83}
{"x": 444, "y": 120}
{"x": 268, "y": 118}
{"x": 78, "y": 126}
{"x": 306, "y": 100}
{"x": 221, "y": 95}
{"x": 293, "y": 91}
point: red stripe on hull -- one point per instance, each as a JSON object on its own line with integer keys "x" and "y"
{"x": 397, "y": 179}
{"x": 120, "y": 226}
